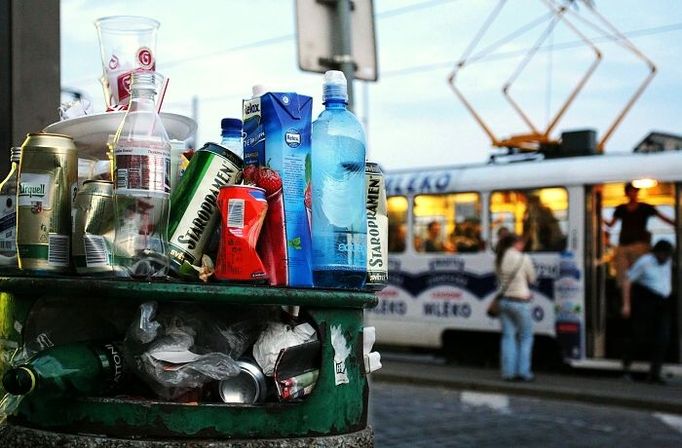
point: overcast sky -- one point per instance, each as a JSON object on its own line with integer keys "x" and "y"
{"x": 414, "y": 119}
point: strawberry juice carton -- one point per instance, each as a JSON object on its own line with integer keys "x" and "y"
{"x": 277, "y": 159}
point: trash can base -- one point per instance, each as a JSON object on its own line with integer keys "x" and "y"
{"x": 21, "y": 437}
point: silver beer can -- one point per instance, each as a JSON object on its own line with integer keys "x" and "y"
{"x": 377, "y": 227}
{"x": 247, "y": 387}
{"x": 48, "y": 180}
{"x": 93, "y": 227}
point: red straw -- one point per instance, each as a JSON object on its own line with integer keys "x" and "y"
{"x": 162, "y": 95}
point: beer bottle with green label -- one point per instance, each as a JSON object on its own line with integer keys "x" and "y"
{"x": 72, "y": 369}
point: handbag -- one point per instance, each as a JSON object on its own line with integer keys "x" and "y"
{"x": 493, "y": 310}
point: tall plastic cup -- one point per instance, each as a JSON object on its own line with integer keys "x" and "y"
{"x": 127, "y": 43}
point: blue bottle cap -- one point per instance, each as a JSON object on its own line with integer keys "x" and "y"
{"x": 231, "y": 125}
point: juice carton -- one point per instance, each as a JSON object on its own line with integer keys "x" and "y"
{"x": 277, "y": 159}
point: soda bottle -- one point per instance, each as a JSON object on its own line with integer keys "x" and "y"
{"x": 8, "y": 213}
{"x": 79, "y": 368}
{"x": 232, "y": 136}
{"x": 339, "y": 218}
{"x": 141, "y": 186}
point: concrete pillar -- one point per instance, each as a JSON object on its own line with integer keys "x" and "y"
{"x": 29, "y": 70}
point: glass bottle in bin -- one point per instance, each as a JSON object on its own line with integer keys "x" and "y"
{"x": 73, "y": 369}
{"x": 8, "y": 213}
{"x": 141, "y": 185}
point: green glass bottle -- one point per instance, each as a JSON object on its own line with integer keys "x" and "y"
{"x": 72, "y": 369}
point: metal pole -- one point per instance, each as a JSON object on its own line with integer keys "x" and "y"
{"x": 344, "y": 52}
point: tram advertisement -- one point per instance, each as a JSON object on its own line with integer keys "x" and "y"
{"x": 454, "y": 292}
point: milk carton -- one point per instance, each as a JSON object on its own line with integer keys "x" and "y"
{"x": 277, "y": 158}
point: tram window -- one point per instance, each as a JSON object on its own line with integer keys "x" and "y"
{"x": 540, "y": 216}
{"x": 661, "y": 196}
{"x": 447, "y": 222}
{"x": 397, "y": 227}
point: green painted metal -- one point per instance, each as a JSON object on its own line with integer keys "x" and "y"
{"x": 13, "y": 315}
{"x": 329, "y": 410}
{"x": 197, "y": 292}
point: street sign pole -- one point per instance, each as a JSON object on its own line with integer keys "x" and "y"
{"x": 343, "y": 54}
{"x": 337, "y": 35}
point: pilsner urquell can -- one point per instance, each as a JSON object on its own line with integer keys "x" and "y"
{"x": 48, "y": 180}
{"x": 377, "y": 228}
{"x": 194, "y": 214}
{"x": 93, "y": 227}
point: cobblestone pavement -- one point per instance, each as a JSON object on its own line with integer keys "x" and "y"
{"x": 414, "y": 417}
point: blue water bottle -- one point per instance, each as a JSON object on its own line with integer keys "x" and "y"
{"x": 231, "y": 136}
{"x": 339, "y": 235}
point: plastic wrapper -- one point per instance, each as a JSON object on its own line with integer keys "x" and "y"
{"x": 276, "y": 337}
{"x": 178, "y": 348}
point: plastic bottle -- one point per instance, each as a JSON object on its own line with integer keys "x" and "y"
{"x": 258, "y": 90}
{"x": 232, "y": 136}
{"x": 8, "y": 213}
{"x": 141, "y": 186}
{"x": 339, "y": 218}
{"x": 66, "y": 370}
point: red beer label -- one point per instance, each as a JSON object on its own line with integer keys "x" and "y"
{"x": 113, "y": 62}
{"x": 123, "y": 83}
{"x": 145, "y": 58}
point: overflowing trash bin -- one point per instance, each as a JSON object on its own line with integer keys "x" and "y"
{"x": 328, "y": 350}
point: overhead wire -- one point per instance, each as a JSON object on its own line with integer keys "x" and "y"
{"x": 516, "y": 53}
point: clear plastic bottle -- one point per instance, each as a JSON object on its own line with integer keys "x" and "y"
{"x": 339, "y": 218}
{"x": 141, "y": 186}
{"x": 232, "y": 136}
{"x": 8, "y": 213}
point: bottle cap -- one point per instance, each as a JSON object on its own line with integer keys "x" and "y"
{"x": 231, "y": 126}
{"x": 335, "y": 86}
{"x": 19, "y": 381}
{"x": 258, "y": 90}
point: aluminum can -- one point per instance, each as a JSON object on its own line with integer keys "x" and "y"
{"x": 242, "y": 213}
{"x": 193, "y": 215}
{"x": 377, "y": 228}
{"x": 48, "y": 182}
{"x": 93, "y": 228}
{"x": 247, "y": 387}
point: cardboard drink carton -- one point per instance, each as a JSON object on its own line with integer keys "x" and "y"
{"x": 277, "y": 158}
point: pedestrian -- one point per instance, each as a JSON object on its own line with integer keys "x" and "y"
{"x": 515, "y": 272}
{"x": 634, "y": 239}
{"x": 647, "y": 303}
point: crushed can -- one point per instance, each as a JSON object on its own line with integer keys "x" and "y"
{"x": 48, "y": 182}
{"x": 242, "y": 213}
{"x": 93, "y": 228}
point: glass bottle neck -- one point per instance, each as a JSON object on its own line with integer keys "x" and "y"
{"x": 142, "y": 100}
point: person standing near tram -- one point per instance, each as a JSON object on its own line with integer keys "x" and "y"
{"x": 634, "y": 240}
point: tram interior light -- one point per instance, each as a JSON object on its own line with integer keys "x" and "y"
{"x": 644, "y": 183}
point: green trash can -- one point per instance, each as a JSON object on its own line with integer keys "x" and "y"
{"x": 332, "y": 415}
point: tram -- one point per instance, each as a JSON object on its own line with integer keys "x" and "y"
{"x": 438, "y": 299}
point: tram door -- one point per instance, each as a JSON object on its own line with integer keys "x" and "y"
{"x": 595, "y": 275}
{"x": 606, "y": 331}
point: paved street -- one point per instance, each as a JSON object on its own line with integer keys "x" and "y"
{"x": 416, "y": 416}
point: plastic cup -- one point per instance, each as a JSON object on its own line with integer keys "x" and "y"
{"x": 127, "y": 43}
